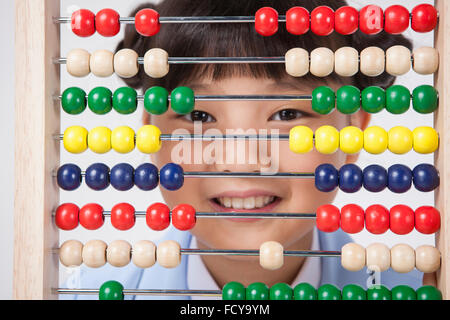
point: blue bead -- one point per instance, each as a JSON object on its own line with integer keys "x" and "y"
{"x": 122, "y": 175}
{"x": 375, "y": 178}
{"x": 69, "y": 177}
{"x": 399, "y": 178}
{"x": 97, "y": 176}
{"x": 350, "y": 178}
{"x": 326, "y": 177}
{"x": 425, "y": 177}
{"x": 171, "y": 176}
{"x": 146, "y": 177}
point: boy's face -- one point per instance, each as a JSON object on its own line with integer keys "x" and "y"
{"x": 250, "y": 194}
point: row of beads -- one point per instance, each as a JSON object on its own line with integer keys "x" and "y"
{"x": 322, "y": 20}
{"x": 326, "y": 139}
{"x": 400, "y": 219}
{"x": 144, "y": 254}
{"x": 321, "y": 62}
{"x": 349, "y": 178}
{"x": 371, "y": 62}
{"x": 347, "y": 100}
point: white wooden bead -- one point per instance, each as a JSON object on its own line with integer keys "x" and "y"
{"x": 425, "y": 60}
{"x": 378, "y": 257}
{"x": 428, "y": 259}
{"x": 372, "y": 62}
{"x": 353, "y": 257}
{"x": 322, "y": 62}
{"x": 78, "y": 63}
{"x": 102, "y": 63}
{"x": 168, "y": 254}
{"x": 297, "y": 62}
{"x": 144, "y": 254}
{"x": 346, "y": 61}
{"x": 403, "y": 258}
{"x": 94, "y": 253}
{"x": 156, "y": 63}
{"x": 118, "y": 253}
{"x": 271, "y": 255}
{"x": 70, "y": 253}
{"x": 398, "y": 60}
{"x": 126, "y": 63}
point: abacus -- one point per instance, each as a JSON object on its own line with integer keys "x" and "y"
{"x": 39, "y": 175}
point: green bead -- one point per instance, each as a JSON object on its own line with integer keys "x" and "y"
{"x": 373, "y": 99}
{"x": 73, "y": 100}
{"x": 257, "y": 291}
{"x": 156, "y": 100}
{"x": 323, "y": 100}
{"x": 328, "y": 292}
{"x": 353, "y": 292}
{"x": 403, "y": 293}
{"x": 305, "y": 291}
{"x": 125, "y": 100}
{"x": 182, "y": 100}
{"x": 280, "y": 291}
{"x": 348, "y": 99}
{"x": 233, "y": 291}
{"x": 398, "y": 99}
{"x": 428, "y": 293}
{"x": 425, "y": 99}
{"x": 100, "y": 100}
{"x": 378, "y": 292}
{"x": 111, "y": 290}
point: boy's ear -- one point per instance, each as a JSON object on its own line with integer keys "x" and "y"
{"x": 360, "y": 119}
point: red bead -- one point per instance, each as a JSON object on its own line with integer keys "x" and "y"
{"x": 66, "y": 217}
{"x": 352, "y": 218}
{"x": 158, "y": 216}
{"x": 401, "y": 219}
{"x": 91, "y": 216}
{"x": 297, "y": 20}
{"x": 183, "y": 217}
{"x": 377, "y": 219}
{"x": 83, "y": 23}
{"x": 371, "y": 19}
{"x": 122, "y": 216}
{"x": 322, "y": 21}
{"x": 107, "y": 22}
{"x": 396, "y": 19}
{"x": 266, "y": 21}
{"x": 424, "y": 18}
{"x": 328, "y": 218}
{"x": 346, "y": 20}
{"x": 427, "y": 219}
{"x": 147, "y": 23}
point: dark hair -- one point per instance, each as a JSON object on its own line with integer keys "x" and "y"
{"x": 221, "y": 40}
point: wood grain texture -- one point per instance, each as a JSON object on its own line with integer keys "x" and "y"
{"x": 442, "y": 158}
{"x": 36, "y": 152}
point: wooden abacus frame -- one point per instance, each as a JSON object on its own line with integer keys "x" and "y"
{"x": 37, "y": 119}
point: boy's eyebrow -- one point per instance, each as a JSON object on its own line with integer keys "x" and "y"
{"x": 272, "y": 88}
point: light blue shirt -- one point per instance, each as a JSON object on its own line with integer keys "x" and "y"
{"x": 157, "y": 277}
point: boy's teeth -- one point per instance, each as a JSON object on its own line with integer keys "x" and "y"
{"x": 246, "y": 203}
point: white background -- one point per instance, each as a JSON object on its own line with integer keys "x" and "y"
{"x": 142, "y": 199}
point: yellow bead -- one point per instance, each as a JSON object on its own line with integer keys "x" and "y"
{"x": 351, "y": 140}
{"x": 148, "y": 139}
{"x": 327, "y": 140}
{"x": 75, "y": 139}
{"x": 99, "y": 140}
{"x": 400, "y": 140}
{"x": 425, "y": 140}
{"x": 375, "y": 140}
{"x": 122, "y": 139}
{"x": 301, "y": 139}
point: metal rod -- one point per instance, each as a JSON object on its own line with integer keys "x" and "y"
{"x": 256, "y": 215}
{"x": 137, "y": 292}
{"x": 181, "y": 137}
{"x": 231, "y": 252}
{"x": 202, "y": 60}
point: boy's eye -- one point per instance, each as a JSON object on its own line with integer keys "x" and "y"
{"x": 287, "y": 115}
{"x": 198, "y": 115}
